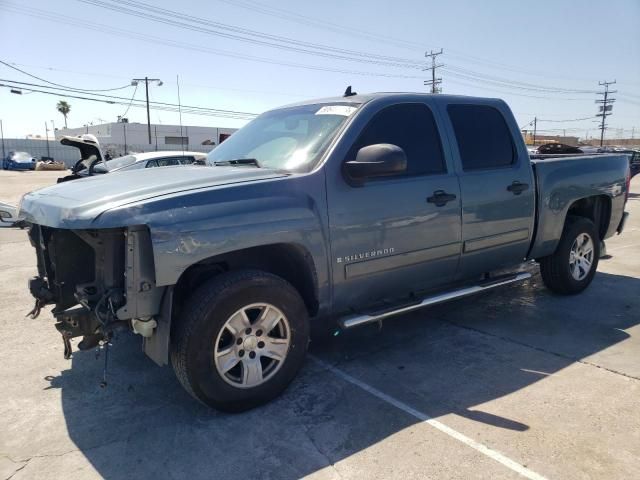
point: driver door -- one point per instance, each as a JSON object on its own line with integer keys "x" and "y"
{"x": 388, "y": 239}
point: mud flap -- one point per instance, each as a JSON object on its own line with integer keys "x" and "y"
{"x": 156, "y": 347}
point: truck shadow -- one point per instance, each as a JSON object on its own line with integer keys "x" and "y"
{"x": 444, "y": 360}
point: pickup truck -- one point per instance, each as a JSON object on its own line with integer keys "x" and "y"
{"x": 332, "y": 212}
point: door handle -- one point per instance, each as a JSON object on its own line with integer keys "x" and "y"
{"x": 440, "y": 198}
{"x": 517, "y": 187}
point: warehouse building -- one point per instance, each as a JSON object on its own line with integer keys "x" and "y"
{"x": 125, "y": 137}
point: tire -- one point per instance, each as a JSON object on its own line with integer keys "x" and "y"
{"x": 562, "y": 276}
{"x": 204, "y": 344}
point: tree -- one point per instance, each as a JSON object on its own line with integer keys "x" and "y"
{"x": 64, "y": 108}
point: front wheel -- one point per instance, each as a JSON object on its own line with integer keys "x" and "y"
{"x": 570, "y": 269}
{"x": 241, "y": 340}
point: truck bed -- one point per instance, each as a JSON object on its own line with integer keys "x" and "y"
{"x": 562, "y": 181}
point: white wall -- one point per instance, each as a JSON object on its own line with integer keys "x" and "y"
{"x": 137, "y": 134}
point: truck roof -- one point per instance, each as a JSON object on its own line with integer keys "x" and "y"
{"x": 367, "y": 97}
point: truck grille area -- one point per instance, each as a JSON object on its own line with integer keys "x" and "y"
{"x": 78, "y": 266}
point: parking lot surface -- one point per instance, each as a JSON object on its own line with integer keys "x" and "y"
{"x": 516, "y": 383}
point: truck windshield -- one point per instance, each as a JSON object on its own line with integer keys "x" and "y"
{"x": 291, "y": 139}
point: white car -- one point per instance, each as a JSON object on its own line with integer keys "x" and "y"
{"x": 149, "y": 160}
{"x": 92, "y": 160}
{"x": 8, "y": 215}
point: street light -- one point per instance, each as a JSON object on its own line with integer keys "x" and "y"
{"x": 146, "y": 81}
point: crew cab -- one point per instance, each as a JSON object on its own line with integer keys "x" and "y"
{"x": 338, "y": 211}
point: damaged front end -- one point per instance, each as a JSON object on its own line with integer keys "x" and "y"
{"x": 100, "y": 280}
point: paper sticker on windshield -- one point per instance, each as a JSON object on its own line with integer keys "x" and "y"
{"x": 344, "y": 110}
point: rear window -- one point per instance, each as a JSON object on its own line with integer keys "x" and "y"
{"x": 484, "y": 139}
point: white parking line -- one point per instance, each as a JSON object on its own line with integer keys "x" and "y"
{"x": 493, "y": 454}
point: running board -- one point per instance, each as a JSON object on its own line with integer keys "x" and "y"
{"x": 360, "y": 319}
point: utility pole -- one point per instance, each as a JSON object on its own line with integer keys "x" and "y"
{"x": 434, "y": 82}
{"x": 146, "y": 81}
{"x": 535, "y": 128}
{"x": 46, "y": 132}
{"x": 2, "y": 135}
{"x": 606, "y": 107}
{"x": 124, "y": 131}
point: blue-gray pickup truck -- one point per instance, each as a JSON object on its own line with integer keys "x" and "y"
{"x": 339, "y": 211}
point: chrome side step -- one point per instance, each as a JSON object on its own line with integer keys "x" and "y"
{"x": 360, "y": 319}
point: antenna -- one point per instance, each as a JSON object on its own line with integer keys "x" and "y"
{"x": 180, "y": 110}
{"x": 348, "y": 92}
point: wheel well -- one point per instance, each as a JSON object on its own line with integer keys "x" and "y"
{"x": 596, "y": 208}
{"x": 289, "y": 261}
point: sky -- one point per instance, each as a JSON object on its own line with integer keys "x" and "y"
{"x": 545, "y": 58}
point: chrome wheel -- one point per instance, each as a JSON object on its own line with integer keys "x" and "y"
{"x": 581, "y": 256}
{"x": 252, "y": 345}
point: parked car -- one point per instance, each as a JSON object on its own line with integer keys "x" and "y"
{"x": 634, "y": 163}
{"x": 90, "y": 155}
{"x": 94, "y": 162}
{"x": 532, "y": 149}
{"x": 150, "y": 160}
{"x": 557, "y": 148}
{"x": 588, "y": 149}
{"x": 342, "y": 211}
{"x": 634, "y": 160}
{"x": 19, "y": 161}
{"x": 8, "y": 215}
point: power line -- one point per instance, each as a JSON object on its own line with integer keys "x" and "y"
{"x": 120, "y": 99}
{"x": 129, "y": 106}
{"x": 564, "y": 121}
{"x": 153, "y": 105}
{"x": 324, "y": 24}
{"x": 211, "y": 27}
{"x": 606, "y": 107}
{"x": 351, "y": 31}
{"x": 434, "y": 82}
{"x": 507, "y": 83}
{"x": 58, "y": 85}
{"x": 508, "y": 92}
{"x": 93, "y": 26}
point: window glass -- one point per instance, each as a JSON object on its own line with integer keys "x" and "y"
{"x": 412, "y": 127}
{"x": 118, "y": 162}
{"x": 292, "y": 138}
{"x": 168, "y": 161}
{"x": 152, "y": 163}
{"x": 484, "y": 139}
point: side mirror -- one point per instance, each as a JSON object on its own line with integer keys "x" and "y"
{"x": 379, "y": 160}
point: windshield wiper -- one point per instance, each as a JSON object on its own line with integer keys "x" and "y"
{"x": 238, "y": 161}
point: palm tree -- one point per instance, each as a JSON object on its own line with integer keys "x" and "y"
{"x": 64, "y": 108}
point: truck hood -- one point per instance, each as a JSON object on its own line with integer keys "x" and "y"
{"x": 76, "y": 204}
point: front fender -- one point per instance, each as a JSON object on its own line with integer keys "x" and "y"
{"x": 192, "y": 226}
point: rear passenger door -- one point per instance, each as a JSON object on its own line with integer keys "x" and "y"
{"x": 496, "y": 187}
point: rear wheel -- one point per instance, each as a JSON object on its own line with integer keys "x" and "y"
{"x": 570, "y": 269}
{"x": 241, "y": 340}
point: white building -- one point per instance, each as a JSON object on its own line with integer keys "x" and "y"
{"x": 133, "y": 137}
